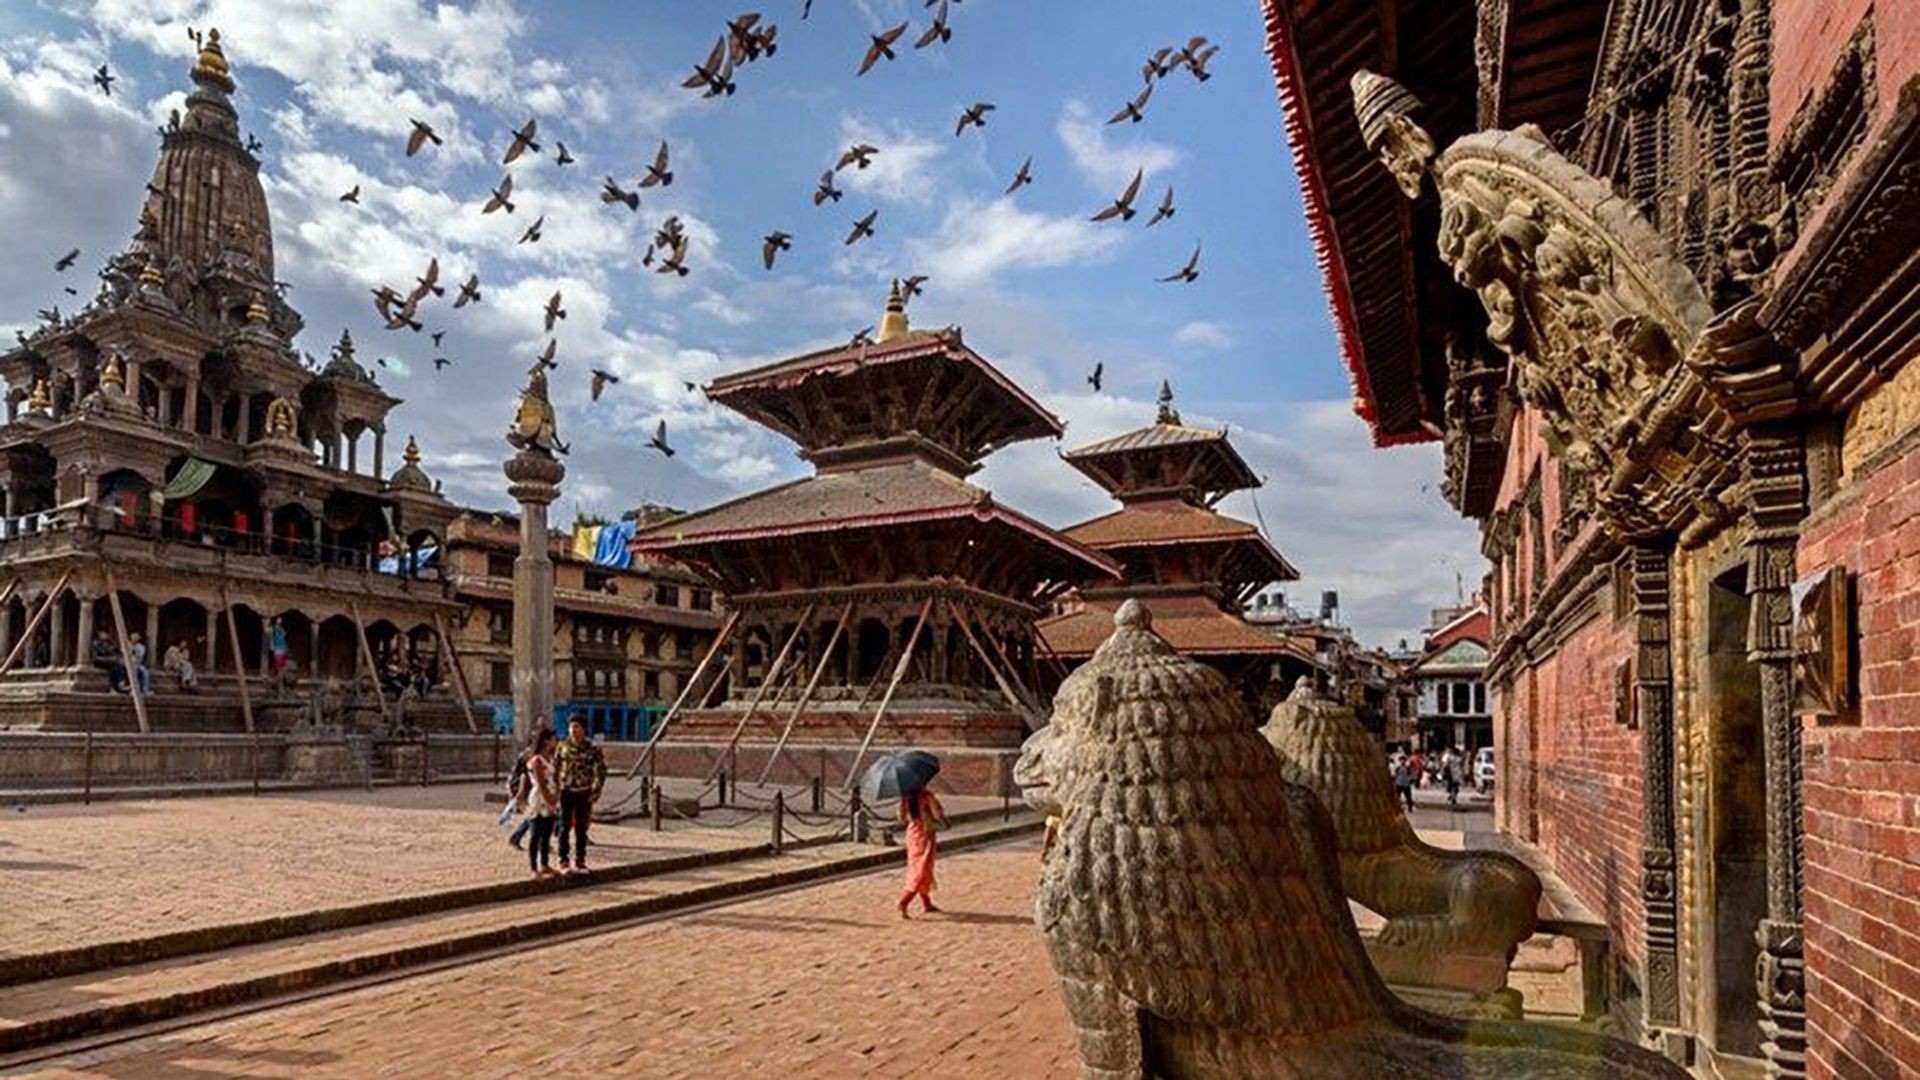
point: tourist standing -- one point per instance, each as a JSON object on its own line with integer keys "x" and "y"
{"x": 178, "y": 662}
{"x": 582, "y": 770}
{"x": 142, "y": 677}
{"x": 543, "y": 802}
{"x": 277, "y": 645}
{"x": 1450, "y": 776}
{"x": 924, "y": 817}
{"x": 1403, "y": 781}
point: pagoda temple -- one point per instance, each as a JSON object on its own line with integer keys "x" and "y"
{"x": 1193, "y": 567}
{"x": 884, "y": 600}
{"x": 174, "y": 470}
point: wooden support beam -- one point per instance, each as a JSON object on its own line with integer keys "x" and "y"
{"x": 1018, "y": 702}
{"x": 126, "y": 654}
{"x": 33, "y": 624}
{"x": 760, "y": 692}
{"x": 720, "y": 642}
{"x": 7, "y": 594}
{"x": 373, "y": 668}
{"x": 459, "y": 674}
{"x": 899, "y": 672}
{"x": 239, "y": 662}
{"x": 806, "y": 695}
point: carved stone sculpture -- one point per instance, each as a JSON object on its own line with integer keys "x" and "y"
{"x": 1454, "y": 918}
{"x": 1191, "y": 906}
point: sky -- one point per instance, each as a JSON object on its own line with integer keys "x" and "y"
{"x": 329, "y": 86}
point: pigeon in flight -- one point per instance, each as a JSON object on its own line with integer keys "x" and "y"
{"x": 676, "y": 260}
{"x": 1134, "y": 110}
{"x": 601, "y": 380}
{"x": 384, "y": 300}
{"x": 826, "y": 190}
{"x": 862, "y": 336}
{"x": 774, "y": 244}
{"x": 1189, "y": 272}
{"x": 421, "y": 135}
{"x": 563, "y": 157}
{"x": 469, "y": 292}
{"x": 522, "y": 142}
{"x": 659, "y": 440}
{"x": 882, "y": 46}
{"x": 862, "y": 228}
{"x": 1164, "y": 210}
{"x": 554, "y": 311}
{"x": 939, "y": 30}
{"x": 428, "y": 282}
{"x": 912, "y": 287}
{"x": 532, "y": 235}
{"x": 104, "y": 79}
{"x": 614, "y": 193}
{"x": 65, "y": 262}
{"x": 749, "y": 41}
{"x": 1197, "y": 55}
{"x": 1123, "y": 206}
{"x": 352, "y": 196}
{"x": 1093, "y": 380}
{"x": 859, "y": 155}
{"x": 1160, "y": 64}
{"x": 975, "y": 115}
{"x": 402, "y": 317}
{"x": 545, "y": 361}
{"x": 440, "y": 362}
{"x": 716, "y": 75}
{"x": 502, "y": 197}
{"x": 1023, "y": 177}
{"x": 658, "y": 173}
{"x": 436, "y": 336}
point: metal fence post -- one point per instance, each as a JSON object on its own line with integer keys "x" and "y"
{"x": 86, "y": 772}
{"x": 657, "y": 809}
{"x": 818, "y": 798}
{"x": 425, "y": 754}
{"x": 722, "y": 791}
{"x": 496, "y": 755}
{"x": 856, "y": 824}
{"x": 779, "y": 821}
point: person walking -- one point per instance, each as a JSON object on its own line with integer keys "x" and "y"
{"x": 1403, "y": 781}
{"x": 1450, "y": 776}
{"x": 924, "y": 817}
{"x": 582, "y": 771}
{"x": 543, "y": 803}
{"x": 1418, "y": 764}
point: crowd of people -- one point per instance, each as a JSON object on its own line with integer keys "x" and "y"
{"x": 1413, "y": 770}
{"x": 553, "y": 788}
{"x": 177, "y": 662}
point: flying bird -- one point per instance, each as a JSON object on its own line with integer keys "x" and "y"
{"x": 1134, "y": 110}
{"x": 1123, "y": 206}
{"x": 975, "y": 115}
{"x": 1093, "y": 380}
{"x": 1197, "y": 55}
{"x": 1160, "y": 64}
{"x": 716, "y": 75}
{"x": 1189, "y": 272}
{"x": 614, "y": 193}
{"x": 554, "y": 311}
{"x": 676, "y": 260}
{"x": 882, "y": 46}
{"x": 938, "y": 31}
{"x": 862, "y": 336}
{"x": 862, "y": 228}
{"x": 469, "y": 292}
{"x": 601, "y": 380}
{"x": 545, "y": 360}
{"x": 748, "y": 40}
{"x": 502, "y": 197}
{"x": 402, "y": 317}
{"x": 1164, "y": 210}
{"x": 806, "y": 9}
{"x": 440, "y": 362}
{"x": 522, "y": 142}
{"x": 774, "y": 244}
{"x": 65, "y": 262}
{"x": 1023, "y": 177}
{"x": 563, "y": 157}
{"x": 659, "y": 440}
{"x": 859, "y": 155}
{"x": 70, "y": 290}
{"x": 352, "y": 196}
{"x": 421, "y": 135}
{"x": 436, "y": 336}
{"x": 532, "y": 235}
{"x": 51, "y": 315}
{"x": 658, "y": 173}
{"x": 428, "y": 282}
{"x": 384, "y": 299}
{"x": 691, "y": 387}
{"x": 826, "y": 190}
{"x": 912, "y": 287}
{"x": 104, "y": 79}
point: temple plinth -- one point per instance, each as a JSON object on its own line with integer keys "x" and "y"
{"x": 883, "y": 600}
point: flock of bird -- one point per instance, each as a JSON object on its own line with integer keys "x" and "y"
{"x": 744, "y": 40}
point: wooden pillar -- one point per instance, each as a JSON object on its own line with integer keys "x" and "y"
{"x": 212, "y": 659}
{"x": 1653, "y": 676}
{"x": 126, "y": 654}
{"x": 886, "y": 699}
{"x": 459, "y": 680}
{"x": 772, "y": 676}
{"x": 720, "y": 641}
{"x": 806, "y": 695}
{"x": 33, "y": 624}
{"x": 239, "y": 662}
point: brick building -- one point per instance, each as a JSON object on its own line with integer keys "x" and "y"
{"x": 1449, "y": 682}
{"x": 1651, "y": 272}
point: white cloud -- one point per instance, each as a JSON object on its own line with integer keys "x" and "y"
{"x": 1204, "y": 334}
{"x": 978, "y": 241}
{"x": 903, "y": 169}
{"x": 1105, "y": 159}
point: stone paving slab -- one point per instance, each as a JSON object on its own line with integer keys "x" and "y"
{"x": 819, "y": 982}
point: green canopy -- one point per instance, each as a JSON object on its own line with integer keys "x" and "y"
{"x": 190, "y": 479}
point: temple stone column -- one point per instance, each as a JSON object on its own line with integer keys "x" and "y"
{"x": 57, "y": 633}
{"x": 153, "y": 634}
{"x": 535, "y": 476}
{"x": 210, "y": 660}
{"x": 192, "y": 404}
{"x": 380, "y": 453}
{"x": 85, "y": 631}
{"x": 353, "y": 454}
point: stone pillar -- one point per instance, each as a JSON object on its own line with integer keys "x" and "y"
{"x": 535, "y": 477}
{"x": 6, "y": 628}
{"x": 353, "y": 454}
{"x": 210, "y": 660}
{"x": 84, "y": 634}
{"x": 192, "y": 403}
{"x": 57, "y": 633}
{"x": 152, "y": 631}
{"x": 380, "y": 453}
{"x": 313, "y": 649}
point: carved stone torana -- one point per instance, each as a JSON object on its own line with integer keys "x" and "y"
{"x": 1192, "y": 909}
{"x": 1454, "y": 918}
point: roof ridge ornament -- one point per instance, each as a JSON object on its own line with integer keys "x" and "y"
{"x": 1167, "y": 414}
{"x": 1385, "y": 111}
{"x": 210, "y": 67}
{"x": 893, "y": 324}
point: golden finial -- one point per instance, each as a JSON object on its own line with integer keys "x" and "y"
{"x": 151, "y": 274}
{"x": 257, "y": 311}
{"x": 39, "y": 400}
{"x": 211, "y": 66}
{"x": 411, "y": 455}
{"x": 280, "y": 417}
{"x": 1167, "y": 413}
{"x": 114, "y": 375}
{"x": 894, "y": 322}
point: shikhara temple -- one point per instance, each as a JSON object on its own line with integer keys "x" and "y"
{"x": 173, "y": 468}
{"x": 884, "y": 599}
{"x": 1192, "y": 566}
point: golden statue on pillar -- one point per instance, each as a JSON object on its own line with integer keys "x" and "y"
{"x": 39, "y": 400}
{"x": 533, "y": 424}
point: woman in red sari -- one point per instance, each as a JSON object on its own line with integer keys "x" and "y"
{"x": 923, "y": 816}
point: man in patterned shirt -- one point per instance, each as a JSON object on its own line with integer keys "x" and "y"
{"x": 582, "y": 772}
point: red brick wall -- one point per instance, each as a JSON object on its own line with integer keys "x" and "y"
{"x": 1862, "y": 793}
{"x": 1808, "y": 36}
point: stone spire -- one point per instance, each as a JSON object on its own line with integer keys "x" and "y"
{"x": 410, "y": 476}
{"x": 894, "y": 323}
{"x": 1168, "y": 414}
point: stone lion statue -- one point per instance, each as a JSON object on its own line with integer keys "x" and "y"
{"x": 1454, "y": 918}
{"x": 1191, "y": 906}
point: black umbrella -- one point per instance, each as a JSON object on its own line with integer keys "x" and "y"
{"x": 899, "y": 774}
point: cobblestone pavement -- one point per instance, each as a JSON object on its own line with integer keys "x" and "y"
{"x": 819, "y": 982}
{"x": 80, "y": 875}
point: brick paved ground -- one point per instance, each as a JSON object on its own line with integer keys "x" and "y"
{"x": 821, "y": 982}
{"x": 78, "y": 875}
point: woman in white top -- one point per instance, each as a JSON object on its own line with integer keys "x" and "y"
{"x": 543, "y": 803}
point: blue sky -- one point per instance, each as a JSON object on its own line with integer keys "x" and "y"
{"x": 328, "y": 88}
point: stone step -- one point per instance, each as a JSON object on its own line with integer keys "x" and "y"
{"x": 114, "y": 999}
